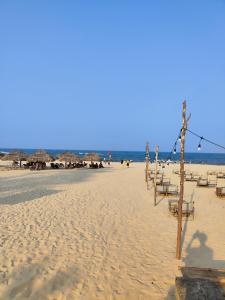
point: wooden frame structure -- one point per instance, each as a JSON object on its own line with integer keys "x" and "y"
{"x": 182, "y": 173}
{"x": 147, "y": 160}
{"x": 156, "y": 171}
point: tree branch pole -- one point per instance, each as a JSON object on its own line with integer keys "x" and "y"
{"x": 156, "y": 170}
{"x": 147, "y": 163}
{"x": 181, "y": 198}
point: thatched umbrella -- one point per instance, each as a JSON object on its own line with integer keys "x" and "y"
{"x": 15, "y": 156}
{"x": 40, "y": 156}
{"x": 92, "y": 157}
{"x": 68, "y": 157}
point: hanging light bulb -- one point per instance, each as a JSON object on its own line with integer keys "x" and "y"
{"x": 175, "y": 148}
{"x": 179, "y": 139}
{"x": 200, "y": 145}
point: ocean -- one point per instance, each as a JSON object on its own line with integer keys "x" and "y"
{"x": 139, "y": 156}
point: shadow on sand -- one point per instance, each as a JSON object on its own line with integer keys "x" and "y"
{"x": 201, "y": 256}
{"x": 40, "y": 281}
{"x": 33, "y": 186}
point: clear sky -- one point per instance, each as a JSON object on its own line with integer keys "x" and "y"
{"x": 110, "y": 75}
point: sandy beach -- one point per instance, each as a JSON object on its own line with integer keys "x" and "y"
{"x": 95, "y": 234}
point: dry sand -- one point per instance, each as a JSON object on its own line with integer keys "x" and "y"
{"x": 94, "y": 234}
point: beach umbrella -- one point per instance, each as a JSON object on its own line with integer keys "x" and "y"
{"x": 68, "y": 157}
{"x": 92, "y": 157}
{"x": 15, "y": 156}
{"x": 40, "y": 156}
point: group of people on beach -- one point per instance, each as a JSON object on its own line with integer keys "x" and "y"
{"x": 125, "y": 162}
{"x": 93, "y": 165}
{"x": 42, "y": 165}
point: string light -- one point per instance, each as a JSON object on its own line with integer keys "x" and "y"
{"x": 179, "y": 138}
{"x": 200, "y": 144}
{"x": 204, "y": 139}
{"x": 174, "y": 149}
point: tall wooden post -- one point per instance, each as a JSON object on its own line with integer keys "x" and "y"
{"x": 180, "y": 203}
{"x": 156, "y": 170}
{"x": 147, "y": 163}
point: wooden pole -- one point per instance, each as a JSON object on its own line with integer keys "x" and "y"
{"x": 181, "y": 198}
{"x": 147, "y": 163}
{"x": 156, "y": 170}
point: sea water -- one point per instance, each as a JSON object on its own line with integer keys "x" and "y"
{"x": 138, "y": 156}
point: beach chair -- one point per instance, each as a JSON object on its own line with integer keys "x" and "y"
{"x": 195, "y": 177}
{"x": 160, "y": 189}
{"x": 188, "y": 177}
{"x": 167, "y": 190}
{"x": 212, "y": 182}
{"x": 221, "y": 175}
{"x": 220, "y": 191}
{"x": 187, "y": 208}
{"x": 202, "y": 182}
{"x": 152, "y": 176}
{"x": 211, "y": 173}
{"x": 165, "y": 181}
{"x": 172, "y": 189}
{"x": 187, "y": 172}
{"x": 159, "y": 179}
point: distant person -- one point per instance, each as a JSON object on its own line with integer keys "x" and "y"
{"x": 128, "y": 163}
{"x": 121, "y": 161}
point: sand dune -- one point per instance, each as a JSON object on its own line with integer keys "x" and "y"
{"x": 94, "y": 234}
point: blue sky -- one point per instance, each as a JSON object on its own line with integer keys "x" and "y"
{"x": 110, "y": 74}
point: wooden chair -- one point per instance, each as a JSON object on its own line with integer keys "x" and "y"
{"x": 165, "y": 181}
{"x": 172, "y": 189}
{"x": 202, "y": 182}
{"x": 187, "y": 208}
{"x": 195, "y": 177}
{"x": 159, "y": 179}
{"x": 220, "y": 191}
{"x": 212, "y": 182}
{"x": 188, "y": 177}
{"x": 221, "y": 175}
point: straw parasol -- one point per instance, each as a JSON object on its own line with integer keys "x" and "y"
{"x": 15, "y": 156}
{"x": 68, "y": 157}
{"x": 92, "y": 157}
{"x": 40, "y": 156}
